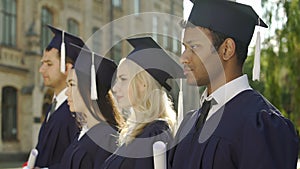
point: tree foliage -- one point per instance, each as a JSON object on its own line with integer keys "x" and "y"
{"x": 280, "y": 79}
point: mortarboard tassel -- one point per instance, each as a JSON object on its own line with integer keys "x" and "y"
{"x": 63, "y": 54}
{"x": 180, "y": 106}
{"x": 256, "y": 65}
{"x": 93, "y": 80}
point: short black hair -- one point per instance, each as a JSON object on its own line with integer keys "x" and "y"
{"x": 241, "y": 48}
{"x": 218, "y": 39}
{"x": 68, "y": 59}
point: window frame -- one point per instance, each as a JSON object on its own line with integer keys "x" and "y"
{"x": 9, "y": 92}
{"x": 8, "y": 20}
{"x": 136, "y": 6}
{"x": 73, "y": 26}
{"x": 117, "y": 3}
{"x": 155, "y": 28}
{"x": 96, "y": 39}
{"x": 46, "y": 34}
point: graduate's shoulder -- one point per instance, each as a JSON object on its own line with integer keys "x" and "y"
{"x": 156, "y": 127}
{"x": 250, "y": 110}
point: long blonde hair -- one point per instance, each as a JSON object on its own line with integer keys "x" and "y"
{"x": 151, "y": 105}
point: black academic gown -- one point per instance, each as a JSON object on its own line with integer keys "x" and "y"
{"x": 55, "y": 136}
{"x": 95, "y": 146}
{"x": 251, "y": 134}
{"x": 140, "y": 148}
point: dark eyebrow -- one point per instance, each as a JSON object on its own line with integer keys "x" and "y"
{"x": 46, "y": 61}
{"x": 121, "y": 75}
{"x": 192, "y": 41}
{"x": 71, "y": 80}
{"x": 188, "y": 42}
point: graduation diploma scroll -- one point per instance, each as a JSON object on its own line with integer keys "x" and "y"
{"x": 32, "y": 157}
{"x": 159, "y": 155}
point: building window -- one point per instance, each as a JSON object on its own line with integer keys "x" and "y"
{"x": 117, "y": 3}
{"x": 8, "y": 16}
{"x": 46, "y": 34}
{"x": 136, "y": 6}
{"x": 175, "y": 42}
{"x": 9, "y": 114}
{"x": 97, "y": 34}
{"x": 154, "y": 27}
{"x": 73, "y": 26}
{"x": 165, "y": 36}
{"x": 117, "y": 50}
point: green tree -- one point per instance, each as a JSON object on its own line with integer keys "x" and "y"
{"x": 280, "y": 60}
{"x": 290, "y": 51}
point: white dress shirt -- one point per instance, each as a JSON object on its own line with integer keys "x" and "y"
{"x": 60, "y": 98}
{"x": 84, "y": 129}
{"x": 225, "y": 93}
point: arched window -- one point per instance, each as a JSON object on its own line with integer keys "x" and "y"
{"x": 9, "y": 114}
{"x": 73, "y": 26}
{"x": 46, "y": 34}
{"x": 8, "y": 17}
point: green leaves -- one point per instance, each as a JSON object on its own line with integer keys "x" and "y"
{"x": 280, "y": 69}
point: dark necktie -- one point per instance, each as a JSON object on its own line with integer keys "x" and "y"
{"x": 203, "y": 114}
{"x": 53, "y": 105}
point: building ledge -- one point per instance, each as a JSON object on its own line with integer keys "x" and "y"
{"x": 11, "y": 57}
{"x": 11, "y": 157}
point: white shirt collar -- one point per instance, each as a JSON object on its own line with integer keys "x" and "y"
{"x": 84, "y": 129}
{"x": 60, "y": 98}
{"x": 225, "y": 93}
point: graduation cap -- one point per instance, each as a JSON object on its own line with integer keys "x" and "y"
{"x": 151, "y": 57}
{"x": 61, "y": 41}
{"x": 230, "y": 18}
{"x": 100, "y": 69}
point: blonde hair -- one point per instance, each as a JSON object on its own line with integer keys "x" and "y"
{"x": 152, "y": 104}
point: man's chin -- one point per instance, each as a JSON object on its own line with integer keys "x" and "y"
{"x": 45, "y": 82}
{"x": 191, "y": 81}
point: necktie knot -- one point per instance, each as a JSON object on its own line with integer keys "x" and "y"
{"x": 53, "y": 105}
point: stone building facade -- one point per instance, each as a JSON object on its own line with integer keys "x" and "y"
{"x": 23, "y": 36}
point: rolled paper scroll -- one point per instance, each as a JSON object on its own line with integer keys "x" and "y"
{"x": 32, "y": 157}
{"x": 159, "y": 155}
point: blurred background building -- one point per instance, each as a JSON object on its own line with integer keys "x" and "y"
{"x": 23, "y": 36}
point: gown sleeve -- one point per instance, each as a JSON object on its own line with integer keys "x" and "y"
{"x": 175, "y": 141}
{"x": 270, "y": 141}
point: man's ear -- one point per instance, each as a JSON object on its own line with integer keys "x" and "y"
{"x": 228, "y": 49}
{"x": 69, "y": 66}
